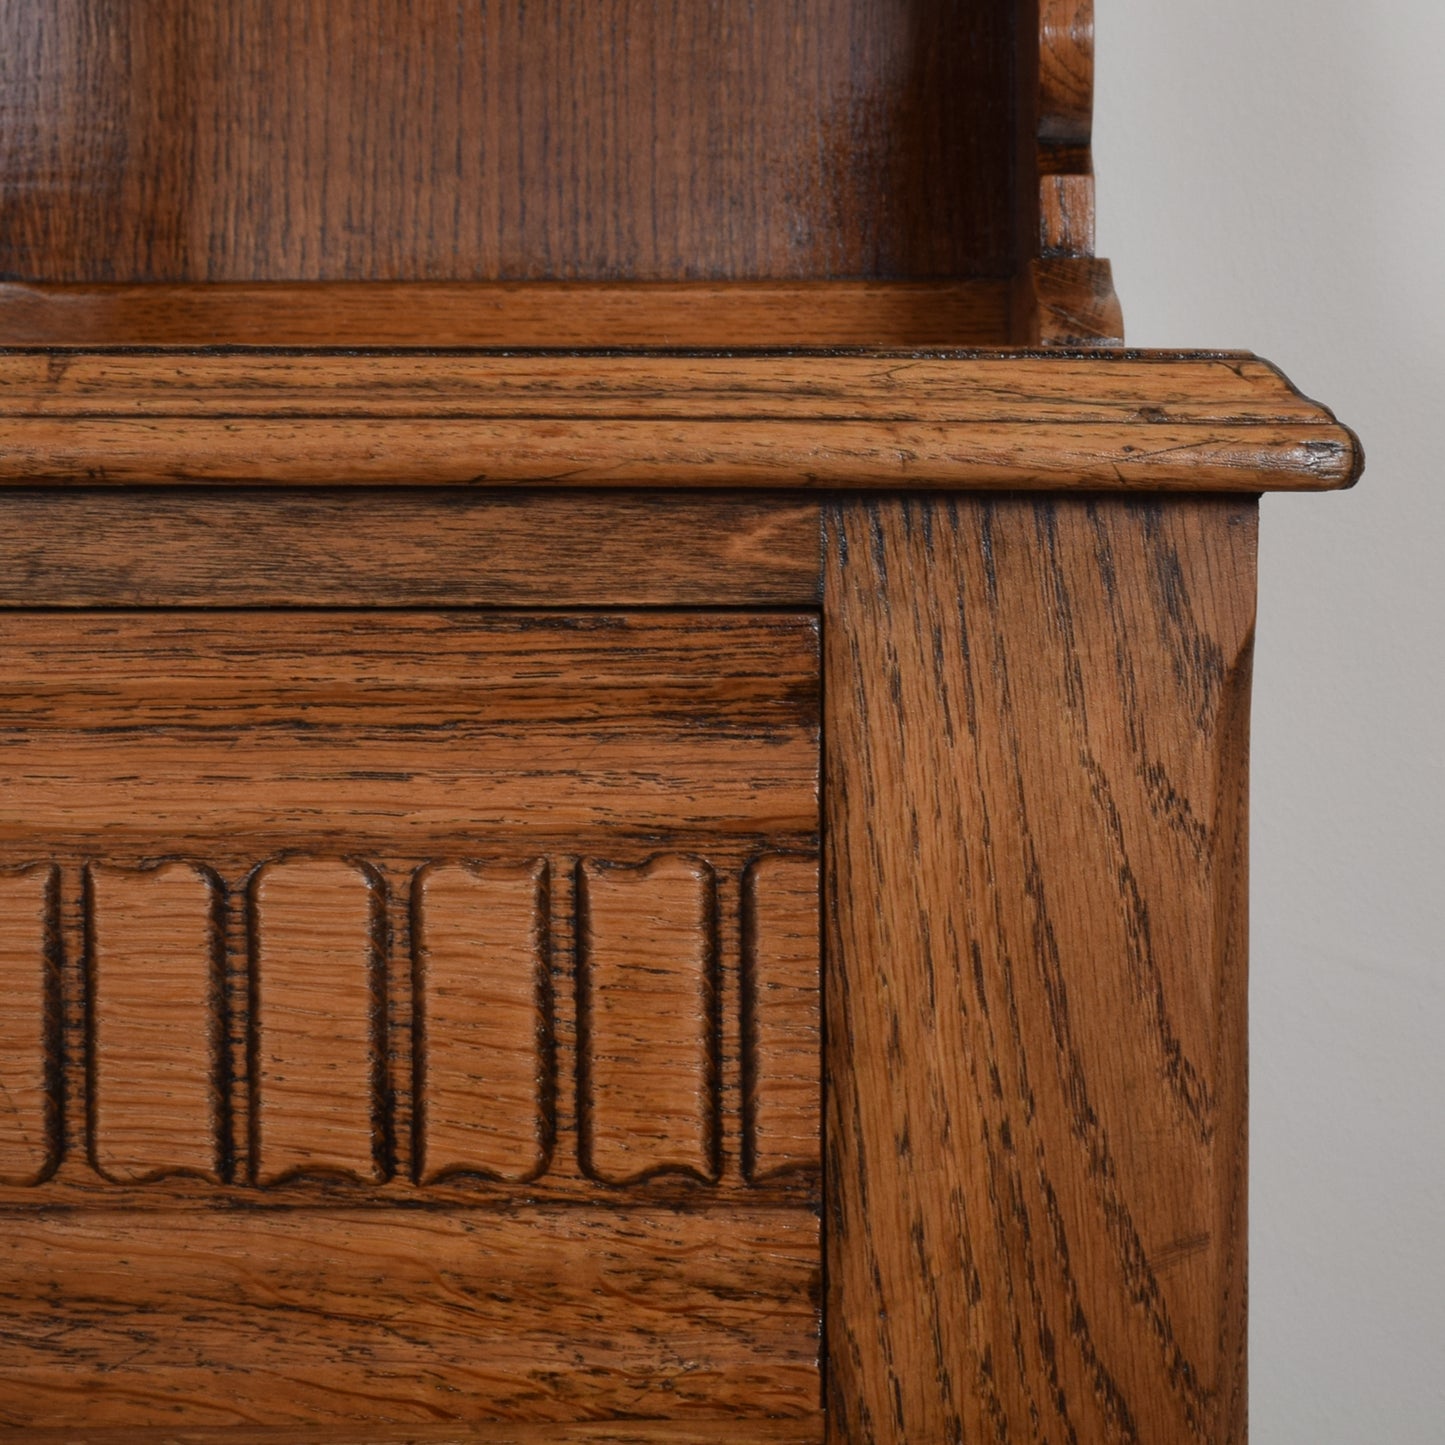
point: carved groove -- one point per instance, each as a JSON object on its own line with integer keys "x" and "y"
{"x": 479, "y": 1028}
{"x": 29, "y": 1019}
{"x": 647, "y": 1028}
{"x": 483, "y": 1028}
{"x": 157, "y": 1018}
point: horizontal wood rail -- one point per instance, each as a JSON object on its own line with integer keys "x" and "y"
{"x": 1099, "y": 421}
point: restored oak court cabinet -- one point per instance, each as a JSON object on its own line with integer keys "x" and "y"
{"x": 623, "y": 737}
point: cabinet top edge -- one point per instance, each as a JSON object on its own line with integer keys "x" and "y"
{"x": 1110, "y": 420}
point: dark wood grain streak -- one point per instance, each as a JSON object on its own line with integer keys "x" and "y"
{"x": 166, "y": 1320}
{"x": 1036, "y": 979}
{"x": 180, "y": 547}
{"x": 621, "y": 139}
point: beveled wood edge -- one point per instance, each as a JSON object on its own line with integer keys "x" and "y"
{"x": 1105, "y": 421}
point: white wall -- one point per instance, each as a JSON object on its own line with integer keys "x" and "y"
{"x": 1271, "y": 177}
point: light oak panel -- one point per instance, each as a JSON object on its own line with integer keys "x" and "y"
{"x": 156, "y": 1023}
{"x": 29, "y": 980}
{"x": 186, "y": 1320}
{"x": 483, "y": 1027}
{"x": 1037, "y": 722}
{"x": 783, "y": 1035}
{"x": 647, "y": 1019}
{"x": 316, "y": 1018}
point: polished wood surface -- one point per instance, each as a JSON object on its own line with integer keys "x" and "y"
{"x": 1036, "y": 794}
{"x": 1093, "y": 421}
{"x": 247, "y": 140}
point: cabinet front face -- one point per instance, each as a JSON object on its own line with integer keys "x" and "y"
{"x": 409, "y": 1018}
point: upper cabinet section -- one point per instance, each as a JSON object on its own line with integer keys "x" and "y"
{"x": 741, "y": 173}
{"x": 526, "y": 140}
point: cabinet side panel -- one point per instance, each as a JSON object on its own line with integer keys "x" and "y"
{"x": 1035, "y": 723}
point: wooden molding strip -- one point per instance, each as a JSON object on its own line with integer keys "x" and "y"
{"x": 973, "y": 312}
{"x": 1098, "y": 421}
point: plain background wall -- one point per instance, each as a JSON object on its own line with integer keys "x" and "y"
{"x": 1271, "y": 178}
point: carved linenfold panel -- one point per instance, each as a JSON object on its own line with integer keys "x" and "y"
{"x": 783, "y": 1027}
{"x": 28, "y": 1113}
{"x": 156, "y": 1022}
{"x": 482, "y": 1030}
{"x": 339, "y": 1021}
{"x": 647, "y": 1000}
{"x": 316, "y": 1017}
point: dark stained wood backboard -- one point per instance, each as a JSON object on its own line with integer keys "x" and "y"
{"x": 209, "y": 140}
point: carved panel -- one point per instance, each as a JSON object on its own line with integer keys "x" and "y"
{"x": 783, "y": 1028}
{"x": 28, "y": 1106}
{"x": 482, "y": 1026}
{"x": 492, "y": 1031}
{"x": 316, "y": 1015}
{"x": 646, "y": 1003}
{"x": 157, "y": 1022}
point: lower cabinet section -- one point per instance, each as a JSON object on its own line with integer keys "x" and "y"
{"x": 410, "y": 1023}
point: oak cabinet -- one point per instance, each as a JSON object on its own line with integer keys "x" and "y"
{"x": 623, "y": 739}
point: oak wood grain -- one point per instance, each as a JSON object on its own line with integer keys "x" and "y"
{"x": 316, "y": 1009}
{"x": 29, "y": 1020}
{"x": 150, "y": 733}
{"x": 363, "y": 139}
{"x": 1036, "y": 720}
{"x": 177, "y": 1320}
{"x": 647, "y": 1019}
{"x": 482, "y": 1021}
{"x": 754, "y": 314}
{"x": 189, "y": 547}
{"x": 605, "y": 421}
{"x": 783, "y": 1042}
{"x": 156, "y": 1023}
